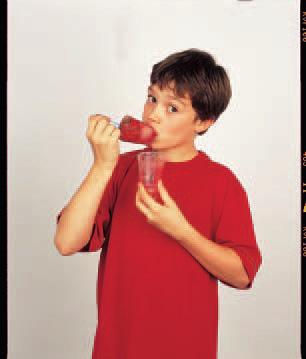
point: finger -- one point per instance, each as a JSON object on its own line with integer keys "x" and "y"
{"x": 95, "y": 119}
{"x": 105, "y": 130}
{"x": 168, "y": 200}
{"x": 143, "y": 208}
{"x": 140, "y": 199}
{"x": 93, "y": 122}
{"x": 115, "y": 135}
{"x": 149, "y": 201}
{"x": 143, "y": 200}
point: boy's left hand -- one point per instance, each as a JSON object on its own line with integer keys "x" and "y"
{"x": 167, "y": 217}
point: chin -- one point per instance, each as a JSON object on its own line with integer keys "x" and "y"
{"x": 151, "y": 146}
{"x": 157, "y": 146}
{"x": 154, "y": 144}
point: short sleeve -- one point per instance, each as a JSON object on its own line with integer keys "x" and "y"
{"x": 235, "y": 228}
{"x": 102, "y": 223}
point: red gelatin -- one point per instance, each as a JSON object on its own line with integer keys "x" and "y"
{"x": 133, "y": 130}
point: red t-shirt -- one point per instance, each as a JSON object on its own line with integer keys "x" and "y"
{"x": 154, "y": 299}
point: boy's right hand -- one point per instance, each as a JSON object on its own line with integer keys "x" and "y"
{"x": 104, "y": 140}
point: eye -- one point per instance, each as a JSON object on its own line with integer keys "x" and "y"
{"x": 174, "y": 108}
{"x": 150, "y": 96}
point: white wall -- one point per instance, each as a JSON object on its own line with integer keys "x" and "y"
{"x": 69, "y": 59}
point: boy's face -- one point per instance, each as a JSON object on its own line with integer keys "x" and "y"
{"x": 172, "y": 118}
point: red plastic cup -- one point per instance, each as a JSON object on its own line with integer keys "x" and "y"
{"x": 150, "y": 167}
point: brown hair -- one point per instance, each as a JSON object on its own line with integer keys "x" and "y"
{"x": 195, "y": 72}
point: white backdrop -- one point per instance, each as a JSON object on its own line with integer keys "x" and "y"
{"x": 69, "y": 59}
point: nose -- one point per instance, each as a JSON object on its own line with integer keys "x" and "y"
{"x": 154, "y": 117}
{"x": 153, "y": 121}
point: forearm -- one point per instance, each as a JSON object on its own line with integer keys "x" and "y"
{"x": 75, "y": 225}
{"x": 222, "y": 262}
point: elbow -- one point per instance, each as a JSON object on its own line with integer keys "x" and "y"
{"x": 65, "y": 253}
{"x": 245, "y": 285}
{"x": 244, "y": 280}
{"x": 61, "y": 249}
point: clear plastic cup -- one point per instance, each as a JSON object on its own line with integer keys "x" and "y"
{"x": 150, "y": 167}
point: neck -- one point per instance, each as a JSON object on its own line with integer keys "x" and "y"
{"x": 178, "y": 154}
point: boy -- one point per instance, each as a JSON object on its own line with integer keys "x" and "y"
{"x": 157, "y": 286}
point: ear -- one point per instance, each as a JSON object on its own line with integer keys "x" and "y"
{"x": 202, "y": 125}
